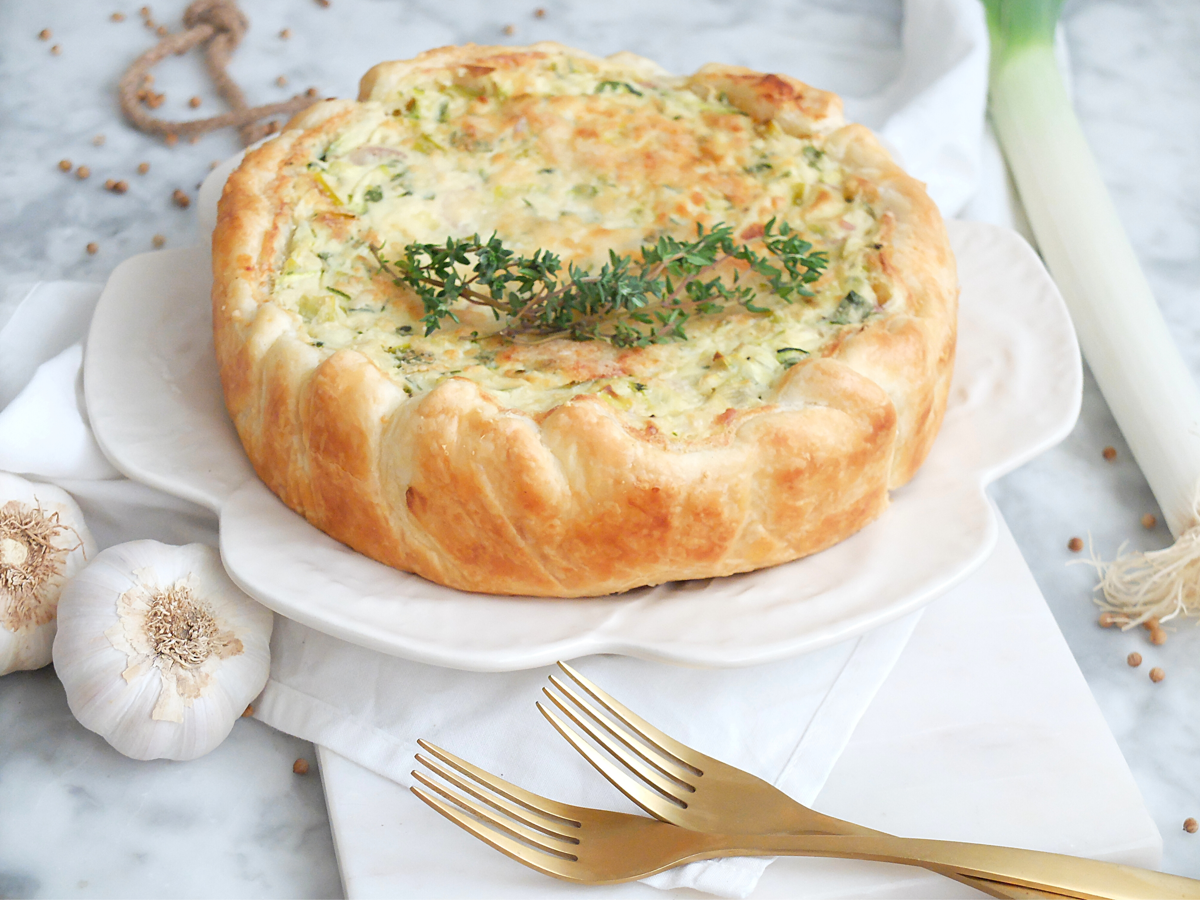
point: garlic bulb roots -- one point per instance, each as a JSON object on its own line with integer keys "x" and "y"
{"x": 43, "y": 542}
{"x": 159, "y": 651}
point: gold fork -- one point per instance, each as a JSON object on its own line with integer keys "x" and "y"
{"x": 593, "y": 846}
{"x": 677, "y": 784}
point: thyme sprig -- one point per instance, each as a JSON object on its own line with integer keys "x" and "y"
{"x": 632, "y": 301}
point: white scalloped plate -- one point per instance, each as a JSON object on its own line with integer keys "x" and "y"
{"x": 156, "y": 407}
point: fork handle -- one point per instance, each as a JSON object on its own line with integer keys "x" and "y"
{"x": 812, "y": 822}
{"x": 1068, "y": 875}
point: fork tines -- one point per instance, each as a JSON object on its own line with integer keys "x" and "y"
{"x": 663, "y": 776}
{"x": 531, "y": 829}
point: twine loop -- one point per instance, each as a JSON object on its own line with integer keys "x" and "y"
{"x": 219, "y": 25}
{"x": 222, "y": 15}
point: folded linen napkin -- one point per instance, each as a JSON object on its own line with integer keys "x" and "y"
{"x": 786, "y": 721}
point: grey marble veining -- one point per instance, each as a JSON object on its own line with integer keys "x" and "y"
{"x": 77, "y": 819}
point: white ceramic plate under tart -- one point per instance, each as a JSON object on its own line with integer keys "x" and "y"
{"x": 155, "y": 404}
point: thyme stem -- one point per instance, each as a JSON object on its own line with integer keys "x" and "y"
{"x": 631, "y": 301}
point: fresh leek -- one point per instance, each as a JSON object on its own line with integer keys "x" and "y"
{"x": 1124, "y": 338}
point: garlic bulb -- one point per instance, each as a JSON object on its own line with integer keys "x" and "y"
{"x": 43, "y": 542}
{"x": 159, "y": 651}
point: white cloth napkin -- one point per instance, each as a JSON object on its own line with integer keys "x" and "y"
{"x": 787, "y": 721}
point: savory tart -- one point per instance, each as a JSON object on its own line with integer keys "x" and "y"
{"x": 409, "y": 304}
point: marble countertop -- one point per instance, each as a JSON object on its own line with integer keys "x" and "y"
{"x": 76, "y": 819}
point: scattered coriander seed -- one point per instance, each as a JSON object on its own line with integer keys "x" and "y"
{"x": 509, "y": 29}
{"x": 108, "y": 184}
{"x": 281, "y": 81}
{"x": 65, "y": 165}
{"x": 93, "y": 248}
{"x": 98, "y": 141}
{"x": 311, "y": 92}
{"x": 148, "y": 79}
{"x": 55, "y": 50}
{"x": 1148, "y": 521}
{"x": 1151, "y": 624}
{"x": 1075, "y": 544}
{"x": 143, "y": 168}
{"x": 539, "y": 13}
{"x": 1107, "y": 620}
{"x": 1158, "y": 637}
{"x": 162, "y": 30}
{"x": 144, "y": 12}
{"x": 118, "y": 17}
{"x": 194, "y": 139}
{"x": 194, "y": 102}
{"x": 285, "y": 34}
{"x": 120, "y": 187}
{"x": 324, "y": 4}
{"x": 1157, "y": 674}
{"x": 82, "y": 172}
{"x": 212, "y": 165}
{"x": 249, "y": 711}
{"x": 1110, "y": 453}
{"x": 182, "y": 200}
{"x": 149, "y": 23}
{"x": 300, "y": 766}
{"x": 1134, "y": 659}
{"x": 171, "y": 139}
{"x": 158, "y": 240}
{"x": 1190, "y": 825}
{"x": 45, "y": 34}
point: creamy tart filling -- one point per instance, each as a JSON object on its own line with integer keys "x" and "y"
{"x": 580, "y": 158}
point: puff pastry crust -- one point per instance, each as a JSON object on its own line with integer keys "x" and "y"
{"x": 567, "y": 469}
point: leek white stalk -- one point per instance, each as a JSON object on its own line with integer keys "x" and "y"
{"x": 1124, "y": 338}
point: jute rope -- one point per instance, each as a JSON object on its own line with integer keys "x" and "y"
{"x": 219, "y": 25}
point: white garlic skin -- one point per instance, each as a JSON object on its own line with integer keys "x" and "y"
{"x": 30, "y": 647}
{"x": 90, "y": 666}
